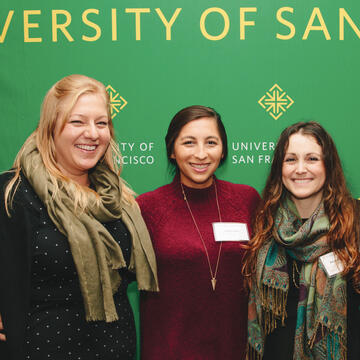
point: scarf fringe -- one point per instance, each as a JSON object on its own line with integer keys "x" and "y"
{"x": 108, "y": 318}
{"x": 341, "y": 340}
{"x": 252, "y": 354}
{"x": 273, "y": 303}
{"x": 320, "y": 297}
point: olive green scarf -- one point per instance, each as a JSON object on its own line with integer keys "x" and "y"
{"x": 97, "y": 256}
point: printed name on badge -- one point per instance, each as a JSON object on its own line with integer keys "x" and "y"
{"x": 332, "y": 264}
{"x": 228, "y": 231}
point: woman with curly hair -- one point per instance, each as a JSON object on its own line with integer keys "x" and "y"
{"x": 303, "y": 265}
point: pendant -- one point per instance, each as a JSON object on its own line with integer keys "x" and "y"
{"x": 213, "y": 283}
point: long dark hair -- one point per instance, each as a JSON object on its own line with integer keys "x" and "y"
{"x": 340, "y": 207}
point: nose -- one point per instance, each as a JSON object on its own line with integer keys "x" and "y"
{"x": 91, "y": 131}
{"x": 300, "y": 167}
{"x": 200, "y": 152}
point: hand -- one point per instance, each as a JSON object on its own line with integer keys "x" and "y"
{"x": 2, "y": 336}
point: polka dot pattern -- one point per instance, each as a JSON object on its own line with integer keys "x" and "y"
{"x": 56, "y": 328}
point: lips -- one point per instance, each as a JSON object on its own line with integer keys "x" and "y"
{"x": 200, "y": 168}
{"x": 86, "y": 147}
{"x": 302, "y": 181}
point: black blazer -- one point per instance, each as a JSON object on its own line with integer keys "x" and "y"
{"x": 15, "y": 260}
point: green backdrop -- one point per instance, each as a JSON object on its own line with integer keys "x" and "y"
{"x": 261, "y": 64}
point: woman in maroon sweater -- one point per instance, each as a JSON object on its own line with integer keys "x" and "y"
{"x": 201, "y": 310}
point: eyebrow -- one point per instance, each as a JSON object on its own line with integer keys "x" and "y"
{"x": 193, "y": 137}
{"x": 310, "y": 153}
{"x": 83, "y": 116}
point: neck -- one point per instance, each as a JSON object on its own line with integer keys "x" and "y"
{"x": 306, "y": 207}
{"x": 193, "y": 185}
{"x": 81, "y": 178}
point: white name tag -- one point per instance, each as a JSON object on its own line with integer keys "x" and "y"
{"x": 228, "y": 231}
{"x": 332, "y": 264}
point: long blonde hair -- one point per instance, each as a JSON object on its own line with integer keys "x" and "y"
{"x": 57, "y": 106}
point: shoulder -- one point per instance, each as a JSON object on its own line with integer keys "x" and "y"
{"x": 238, "y": 191}
{"x": 23, "y": 194}
{"x": 24, "y": 212}
{"x": 5, "y": 178}
{"x": 156, "y": 197}
{"x": 241, "y": 198}
{"x": 156, "y": 204}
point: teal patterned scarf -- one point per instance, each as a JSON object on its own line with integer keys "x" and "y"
{"x": 321, "y": 312}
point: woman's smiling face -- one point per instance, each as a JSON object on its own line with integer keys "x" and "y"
{"x": 82, "y": 142}
{"x": 197, "y": 151}
{"x": 303, "y": 170}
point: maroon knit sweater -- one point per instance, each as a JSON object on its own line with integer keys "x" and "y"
{"x": 187, "y": 319}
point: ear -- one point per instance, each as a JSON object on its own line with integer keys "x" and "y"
{"x": 172, "y": 156}
{"x": 222, "y": 155}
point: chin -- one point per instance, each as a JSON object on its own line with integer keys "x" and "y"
{"x": 87, "y": 167}
{"x": 201, "y": 178}
{"x": 302, "y": 196}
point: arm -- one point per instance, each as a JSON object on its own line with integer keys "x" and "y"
{"x": 15, "y": 252}
{"x": 146, "y": 213}
{"x": 2, "y": 336}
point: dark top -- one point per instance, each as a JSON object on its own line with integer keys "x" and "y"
{"x": 187, "y": 319}
{"x": 279, "y": 344}
{"x": 41, "y": 303}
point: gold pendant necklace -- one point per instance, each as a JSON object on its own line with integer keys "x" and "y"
{"x": 212, "y": 274}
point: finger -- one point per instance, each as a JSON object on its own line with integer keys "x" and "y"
{"x": 2, "y": 336}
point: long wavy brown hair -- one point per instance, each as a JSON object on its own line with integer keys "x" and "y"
{"x": 341, "y": 209}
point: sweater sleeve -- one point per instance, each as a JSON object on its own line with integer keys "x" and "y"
{"x": 147, "y": 211}
{"x": 15, "y": 235}
{"x": 245, "y": 200}
{"x": 254, "y": 200}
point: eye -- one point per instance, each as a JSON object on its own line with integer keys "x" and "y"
{"x": 188, "y": 142}
{"x": 102, "y": 123}
{"x": 212, "y": 142}
{"x": 75, "y": 121}
{"x": 289, "y": 159}
{"x": 314, "y": 158}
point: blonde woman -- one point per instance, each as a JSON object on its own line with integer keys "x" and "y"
{"x": 71, "y": 236}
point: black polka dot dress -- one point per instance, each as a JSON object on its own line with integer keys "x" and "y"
{"x": 56, "y": 328}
